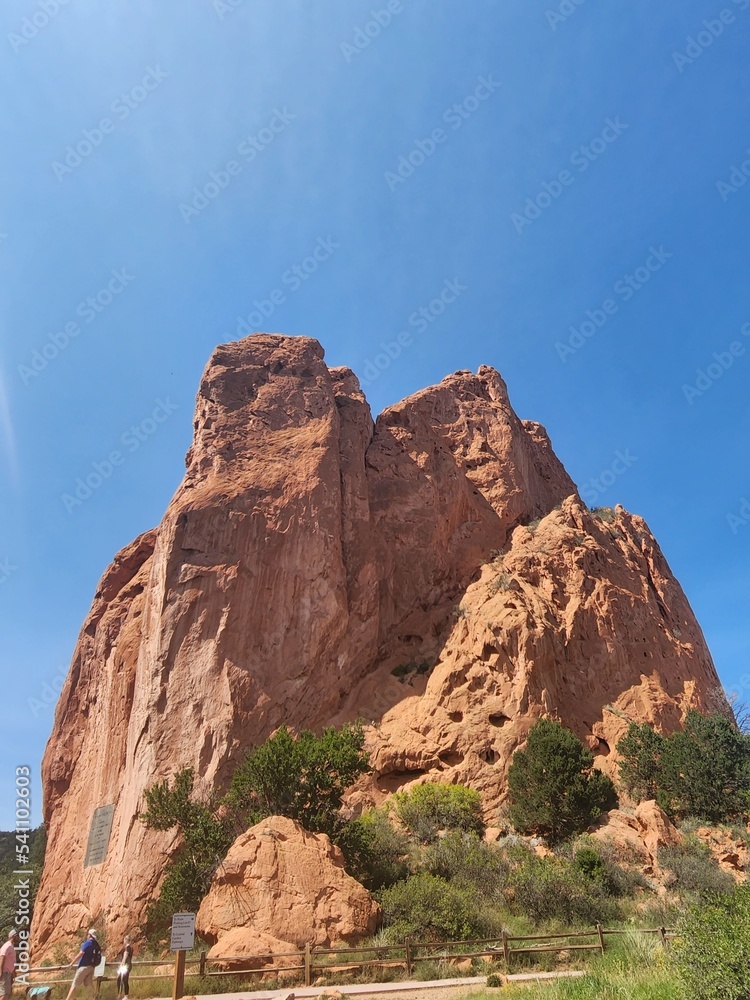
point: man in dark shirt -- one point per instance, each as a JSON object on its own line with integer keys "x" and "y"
{"x": 86, "y": 960}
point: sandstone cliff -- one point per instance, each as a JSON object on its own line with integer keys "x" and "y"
{"x": 315, "y": 567}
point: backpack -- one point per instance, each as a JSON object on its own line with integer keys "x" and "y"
{"x": 96, "y": 952}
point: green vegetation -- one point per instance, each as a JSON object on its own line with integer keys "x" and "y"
{"x": 702, "y": 770}
{"x": 378, "y": 855}
{"x": 404, "y": 670}
{"x": 606, "y": 514}
{"x": 712, "y": 951}
{"x": 428, "y": 808}
{"x": 303, "y": 778}
{"x": 554, "y": 789}
{"x": 692, "y": 868}
{"x": 36, "y": 842}
{"x": 430, "y": 908}
{"x": 635, "y": 968}
{"x": 205, "y": 841}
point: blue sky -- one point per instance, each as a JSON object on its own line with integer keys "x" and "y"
{"x": 170, "y": 169}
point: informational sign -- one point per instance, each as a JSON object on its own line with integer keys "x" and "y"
{"x": 101, "y": 827}
{"x": 99, "y": 970}
{"x": 183, "y": 932}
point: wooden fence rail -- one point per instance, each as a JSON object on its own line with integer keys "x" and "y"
{"x": 310, "y": 961}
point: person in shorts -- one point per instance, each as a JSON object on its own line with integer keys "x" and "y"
{"x": 86, "y": 960}
{"x": 8, "y": 965}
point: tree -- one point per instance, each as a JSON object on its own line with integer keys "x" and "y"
{"x": 427, "y": 808}
{"x": 303, "y": 778}
{"x": 206, "y": 838}
{"x": 640, "y": 752}
{"x": 554, "y": 789}
{"x": 702, "y": 770}
{"x": 705, "y": 769}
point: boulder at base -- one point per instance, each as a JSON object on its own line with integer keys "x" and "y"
{"x": 282, "y": 881}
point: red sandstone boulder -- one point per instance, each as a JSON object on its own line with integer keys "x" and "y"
{"x": 281, "y": 881}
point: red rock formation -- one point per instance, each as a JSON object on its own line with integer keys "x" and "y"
{"x": 308, "y": 554}
{"x": 281, "y": 881}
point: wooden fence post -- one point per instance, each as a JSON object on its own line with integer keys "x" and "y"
{"x": 178, "y": 986}
{"x": 663, "y": 936}
{"x": 202, "y": 967}
{"x": 601, "y": 937}
{"x": 506, "y": 951}
{"x": 408, "y": 957}
{"x": 308, "y": 964}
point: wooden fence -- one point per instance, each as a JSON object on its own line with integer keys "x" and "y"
{"x": 308, "y": 964}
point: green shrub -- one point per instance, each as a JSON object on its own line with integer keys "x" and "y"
{"x": 552, "y": 889}
{"x": 606, "y": 514}
{"x": 640, "y": 752}
{"x": 426, "y": 907}
{"x": 598, "y": 861}
{"x": 427, "y": 808}
{"x": 703, "y": 770}
{"x": 206, "y": 838}
{"x": 693, "y": 868}
{"x": 554, "y": 789}
{"x": 303, "y": 778}
{"x": 377, "y": 854}
{"x": 465, "y": 860}
{"x": 712, "y": 950}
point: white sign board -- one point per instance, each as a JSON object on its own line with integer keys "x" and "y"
{"x": 183, "y": 932}
{"x": 99, "y": 831}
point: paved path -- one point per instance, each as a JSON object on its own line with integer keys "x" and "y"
{"x": 434, "y": 989}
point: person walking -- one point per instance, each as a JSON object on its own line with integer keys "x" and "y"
{"x": 87, "y": 960}
{"x": 8, "y": 964}
{"x": 124, "y": 965}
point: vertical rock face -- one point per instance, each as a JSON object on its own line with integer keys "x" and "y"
{"x": 315, "y": 567}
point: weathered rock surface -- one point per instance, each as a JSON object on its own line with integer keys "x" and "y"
{"x": 307, "y": 555}
{"x": 280, "y": 880}
{"x": 644, "y": 832}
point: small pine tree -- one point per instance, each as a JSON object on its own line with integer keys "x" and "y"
{"x": 554, "y": 789}
{"x": 303, "y": 778}
{"x": 640, "y": 752}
